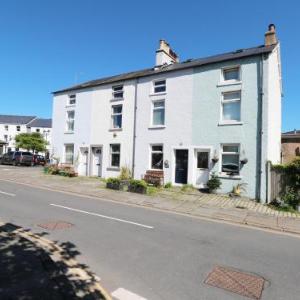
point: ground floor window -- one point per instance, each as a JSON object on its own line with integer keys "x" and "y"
{"x": 202, "y": 159}
{"x": 157, "y": 157}
{"x": 115, "y": 155}
{"x": 69, "y": 153}
{"x": 231, "y": 159}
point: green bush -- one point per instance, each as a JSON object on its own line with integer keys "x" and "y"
{"x": 291, "y": 197}
{"x": 214, "y": 183}
{"x": 113, "y": 180}
{"x": 168, "y": 185}
{"x": 137, "y": 186}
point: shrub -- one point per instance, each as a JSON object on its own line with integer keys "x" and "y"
{"x": 291, "y": 197}
{"x": 125, "y": 173}
{"x": 214, "y": 183}
{"x": 168, "y": 185}
{"x": 137, "y": 186}
{"x": 113, "y": 183}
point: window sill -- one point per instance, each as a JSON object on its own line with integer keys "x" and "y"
{"x": 229, "y": 83}
{"x": 70, "y": 105}
{"x": 113, "y": 169}
{"x": 230, "y": 123}
{"x": 115, "y": 129}
{"x": 157, "y": 127}
{"x": 116, "y": 99}
{"x": 158, "y": 94}
{"x": 69, "y": 132}
{"x": 226, "y": 176}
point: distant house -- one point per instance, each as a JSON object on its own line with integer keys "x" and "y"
{"x": 11, "y": 125}
{"x": 184, "y": 120}
{"x": 290, "y": 145}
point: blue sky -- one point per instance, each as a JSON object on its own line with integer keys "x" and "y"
{"x": 50, "y": 44}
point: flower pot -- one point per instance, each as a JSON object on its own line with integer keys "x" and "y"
{"x": 113, "y": 186}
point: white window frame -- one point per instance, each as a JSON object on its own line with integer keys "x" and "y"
{"x": 222, "y": 121}
{"x": 230, "y": 153}
{"x": 160, "y": 85}
{"x": 111, "y": 153}
{"x": 115, "y": 92}
{"x": 65, "y": 154}
{"x": 116, "y": 114}
{"x": 18, "y": 128}
{"x": 72, "y": 98}
{"x": 157, "y": 108}
{"x": 68, "y": 120}
{"x": 6, "y": 127}
{"x": 228, "y": 68}
{"x": 151, "y": 152}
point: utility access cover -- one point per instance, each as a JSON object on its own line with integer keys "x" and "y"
{"x": 235, "y": 281}
{"x": 56, "y": 225}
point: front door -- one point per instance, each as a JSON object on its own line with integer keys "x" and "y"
{"x": 96, "y": 161}
{"x": 202, "y": 171}
{"x": 181, "y": 166}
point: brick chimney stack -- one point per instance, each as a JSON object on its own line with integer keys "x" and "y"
{"x": 270, "y": 36}
{"x": 165, "y": 55}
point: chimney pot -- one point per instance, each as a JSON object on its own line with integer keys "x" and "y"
{"x": 270, "y": 36}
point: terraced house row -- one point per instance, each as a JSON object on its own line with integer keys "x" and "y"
{"x": 185, "y": 119}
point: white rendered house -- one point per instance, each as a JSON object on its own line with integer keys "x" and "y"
{"x": 187, "y": 120}
{"x": 12, "y": 125}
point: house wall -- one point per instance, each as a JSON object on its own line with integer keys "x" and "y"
{"x": 290, "y": 149}
{"x": 207, "y": 128}
{"x": 93, "y": 127}
{"x": 178, "y": 124}
{"x": 11, "y": 133}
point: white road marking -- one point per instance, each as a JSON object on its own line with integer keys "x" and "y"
{"x": 102, "y": 216}
{"x": 7, "y": 194}
{"x": 122, "y": 294}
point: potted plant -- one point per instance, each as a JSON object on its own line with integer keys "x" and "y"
{"x": 213, "y": 183}
{"x": 137, "y": 186}
{"x": 113, "y": 183}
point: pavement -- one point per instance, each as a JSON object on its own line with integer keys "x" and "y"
{"x": 33, "y": 267}
{"x": 140, "y": 252}
{"x": 213, "y": 206}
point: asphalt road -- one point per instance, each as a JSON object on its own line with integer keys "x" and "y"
{"x": 149, "y": 254}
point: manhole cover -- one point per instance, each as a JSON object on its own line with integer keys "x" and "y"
{"x": 244, "y": 284}
{"x": 56, "y": 225}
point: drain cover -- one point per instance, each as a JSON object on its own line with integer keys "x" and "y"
{"x": 232, "y": 280}
{"x": 56, "y": 225}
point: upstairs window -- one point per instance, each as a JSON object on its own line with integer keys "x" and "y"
{"x": 18, "y": 128}
{"x": 115, "y": 155}
{"x": 37, "y": 130}
{"x": 231, "y": 159}
{"x": 157, "y": 157}
{"x": 231, "y": 107}
{"x": 158, "y": 113}
{"x": 72, "y": 99}
{"x": 5, "y": 137}
{"x": 231, "y": 74}
{"x": 117, "y": 92}
{"x": 159, "y": 86}
{"x": 116, "y": 116}
{"x": 6, "y": 127}
{"x": 70, "y": 120}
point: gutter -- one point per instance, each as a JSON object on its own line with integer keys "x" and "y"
{"x": 134, "y": 128}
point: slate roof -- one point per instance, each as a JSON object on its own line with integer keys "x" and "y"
{"x": 19, "y": 120}
{"x": 47, "y": 123}
{"x": 241, "y": 53}
{"x": 291, "y": 132}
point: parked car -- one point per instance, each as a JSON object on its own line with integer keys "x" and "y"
{"x": 17, "y": 158}
{"x": 39, "y": 160}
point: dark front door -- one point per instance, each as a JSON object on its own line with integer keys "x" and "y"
{"x": 181, "y": 168}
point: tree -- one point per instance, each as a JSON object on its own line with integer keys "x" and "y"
{"x": 31, "y": 141}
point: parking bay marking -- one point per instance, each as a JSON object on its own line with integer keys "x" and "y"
{"x": 7, "y": 194}
{"x": 103, "y": 216}
{"x": 122, "y": 294}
